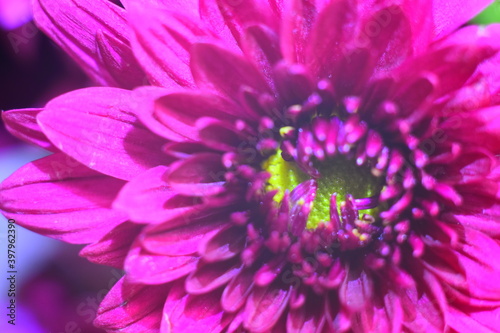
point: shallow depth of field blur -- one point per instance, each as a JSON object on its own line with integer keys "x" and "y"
{"x": 56, "y": 291}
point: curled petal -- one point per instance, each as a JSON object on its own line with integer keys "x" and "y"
{"x": 74, "y": 26}
{"x": 132, "y": 308}
{"x": 82, "y": 213}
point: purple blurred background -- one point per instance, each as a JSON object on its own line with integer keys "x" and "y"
{"x": 56, "y": 290}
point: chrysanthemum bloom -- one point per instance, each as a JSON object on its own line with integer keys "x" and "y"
{"x": 298, "y": 166}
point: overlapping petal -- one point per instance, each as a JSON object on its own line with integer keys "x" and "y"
{"x": 79, "y": 217}
{"x": 76, "y": 25}
{"x": 104, "y": 133}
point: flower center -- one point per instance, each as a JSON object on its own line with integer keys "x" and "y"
{"x": 337, "y": 175}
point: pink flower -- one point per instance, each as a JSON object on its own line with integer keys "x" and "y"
{"x": 14, "y": 13}
{"x": 296, "y": 166}
{"x": 32, "y": 70}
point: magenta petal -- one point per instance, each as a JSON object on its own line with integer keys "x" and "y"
{"x": 144, "y": 197}
{"x": 356, "y": 290}
{"x": 298, "y": 16}
{"x": 424, "y": 304}
{"x": 488, "y": 224}
{"x": 162, "y": 41}
{"x": 148, "y": 199}
{"x": 293, "y": 83}
{"x": 219, "y": 135}
{"x": 132, "y": 308}
{"x": 269, "y": 271}
{"x": 451, "y": 14}
{"x": 113, "y": 247}
{"x": 73, "y": 25}
{"x": 175, "y": 239}
{"x": 393, "y": 42}
{"x": 301, "y": 200}
{"x": 211, "y": 276}
{"x": 178, "y": 112}
{"x": 199, "y": 175}
{"x": 116, "y": 56}
{"x": 236, "y": 292}
{"x": 97, "y": 127}
{"x": 487, "y": 73}
{"x": 308, "y": 318}
{"x": 482, "y": 321}
{"x": 150, "y": 323}
{"x": 82, "y": 212}
{"x": 238, "y": 15}
{"x": 447, "y": 76}
{"x": 144, "y": 267}
{"x": 13, "y": 14}
{"x": 193, "y": 313}
{"x": 216, "y": 68}
{"x": 225, "y": 244}
{"x": 22, "y": 124}
{"x": 190, "y": 6}
{"x": 145, "y": 100}
{"x": 393, "y": 310}
{"x": 334, "y": 26}
{"x": 265, "y": 306}
{"x": 477, "y": 256}
{"x": 261, "y": 44}
{"x": 483, "y": 123}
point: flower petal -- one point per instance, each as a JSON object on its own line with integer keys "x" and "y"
{"x": 219, "y": 135}
{"x": 82, "y": 212}
{"x": 482, "y": 122}
{"x": 477, "y": 256}
{"x": 113, "y": 247}
{"x": 216, "y": 68}
{"x": 193, "y": 313}
{"x": 22, "y": 124}
{"x": 149, "y": 199}
{"x": 236, "y": 292}
{"x": 261, "y": 45}
{"x": 225, "y": 244}
{"x": 265, "y": 306}
{"x": 148, "y": 268}
{"x": 301, "y": 200}
{"x": 161, "y": 42}
{"x": 332, "y": 29}
{"x": 132, "y": 308}
{"x": 356, "y": 290}
{"x": 73, "y": 25}
{"x": 464, "y": 322}
{"x": 451, "y": 14}
{"x": 181, "y": 236}
{"x": 199, "y": 175}
{"x": 297, "y": 20}
{"x": 116, "y": 56}
{"x": 211, "y": 276}
{"x": 145, "y": 100}
{"x": 97, "y": 127}
{"x": 179, "y": 111}
{"x": 237, "y": 15}
{"x": 308, "y": 318}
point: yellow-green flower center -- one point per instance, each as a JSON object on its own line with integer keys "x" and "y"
{"x": 338, "y": 175}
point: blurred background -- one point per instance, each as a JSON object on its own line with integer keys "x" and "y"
{"x": 57, "y": 291}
